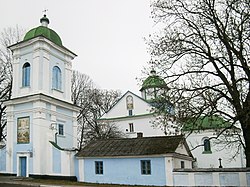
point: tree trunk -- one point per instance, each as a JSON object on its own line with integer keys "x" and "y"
{"x": 246, "y": 134}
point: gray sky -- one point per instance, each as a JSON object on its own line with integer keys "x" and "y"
{"x": 107, "y": 35}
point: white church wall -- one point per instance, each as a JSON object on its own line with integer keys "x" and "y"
{"x": 181, "y": 150}
{"x": 57, "y": 160}
{"x": 140, "y": 125}
{"x": 42, "y": 57}
{"x": 120, "y": 109}
{"x": 63, "y": 162}
{"x": 143, "y": 123}
{"x": 177, "y": 163}
{"x": 20, "y": 57}
{"x": 36, "y": 108}
{"x": 64, "y": 117}
{"x": 3, "y": 159}
{"x": 210, "y": 160}
{"x": 14, "y": 147}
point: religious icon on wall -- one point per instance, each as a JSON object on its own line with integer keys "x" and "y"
{"x": 23, "y": 130}
{"x": 130, "y": 104}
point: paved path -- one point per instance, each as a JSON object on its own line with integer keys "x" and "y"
{"x": 22, "y": 182}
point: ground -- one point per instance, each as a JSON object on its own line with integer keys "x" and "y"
{"x": 12, "y": 181}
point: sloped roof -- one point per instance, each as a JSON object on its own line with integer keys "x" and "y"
{"x": 132, "y": 146}
{"x": 205, "y": 123}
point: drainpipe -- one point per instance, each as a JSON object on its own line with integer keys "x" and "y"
{"x": 56, "y": 137}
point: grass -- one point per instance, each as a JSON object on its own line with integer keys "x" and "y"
{"x": 66, "y": 182}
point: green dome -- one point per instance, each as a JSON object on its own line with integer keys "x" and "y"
{"x": 153, "y": 81}
{"x": 43, "y": 30}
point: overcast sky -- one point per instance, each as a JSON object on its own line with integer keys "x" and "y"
{"x": 107, "y": 35}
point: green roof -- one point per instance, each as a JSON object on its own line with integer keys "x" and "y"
{"x": 153, "y": 81}
{"x": 205, "y": 123}
{"x": 43, "y": 31}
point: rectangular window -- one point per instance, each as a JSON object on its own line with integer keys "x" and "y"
{"x": 182, "y": 164}
{"x": 60, "y": 129}
{"x": 99, "y": 167}
{"x": 130, "y": 112}
{"x": 145, "y": 167}
{"x": 131, "y": 127}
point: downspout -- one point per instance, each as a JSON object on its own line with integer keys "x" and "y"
{"x": 56, "y": 137}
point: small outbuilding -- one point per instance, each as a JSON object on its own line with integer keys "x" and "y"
{"x": 133, "y": 161}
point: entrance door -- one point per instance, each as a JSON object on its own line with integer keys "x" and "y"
{"x": 23, "y": 163}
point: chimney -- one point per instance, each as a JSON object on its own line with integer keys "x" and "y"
{"x": 139, "y": 134}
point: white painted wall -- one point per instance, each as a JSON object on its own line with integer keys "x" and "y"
{"x": 44, "y": 106}
{"x": 142, "y": 117}
{"x": 120, "y": 109}
{"x": 218, "y": 151}
{"x": 42, "y": 55}
{"x": 211, "y": 178}
{"x": 119, "y": 116}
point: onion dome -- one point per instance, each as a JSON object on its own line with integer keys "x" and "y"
{"x": 153, "y": 81}
{"x": 44, "y": 31}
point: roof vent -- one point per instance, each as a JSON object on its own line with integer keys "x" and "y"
{"x": 139, "y": 134}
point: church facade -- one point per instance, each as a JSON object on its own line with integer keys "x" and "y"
{"x": 42, "y": 125}
{"x": 41, "y": 119}
{"x": 134, "y": 116}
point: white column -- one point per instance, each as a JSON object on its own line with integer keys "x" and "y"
{"x": 216, "y": 179}
{"x": 191, "y": 179}
{"x": 10, "y": 139}
{"x": 169, "y": 171}
{"x": 243, "y": 178}
{"x": 81, "y": 170}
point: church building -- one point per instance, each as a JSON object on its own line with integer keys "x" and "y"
{"x": 41, "y": 119}
{"x": 42, "y": 126}
{"x": 134, "y": 115}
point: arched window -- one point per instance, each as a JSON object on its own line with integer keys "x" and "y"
{"x": 26, "y": 75}
{"x": 57, "y": 78}
{"x": 207, "y": 146}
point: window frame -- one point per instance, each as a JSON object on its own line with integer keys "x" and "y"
{"x": 146, "y": 167}
{"x": 26, "y": 69}
{"x": 131, "y": 127}
{"x": 99, "y": 169}
{"x": 206, "y": 146}
{"x": 130, "y": 112}
{"x": 56, "y": 78}
{"x": 182, "y": 164}
{"x": 61, "y": 125}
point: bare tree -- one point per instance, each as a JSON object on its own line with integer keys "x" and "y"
{"x": 93, "y": 102}
{"x": 101, "y": 102}
{"x": 8, "y": 37}
{"x": 203, "y": 53}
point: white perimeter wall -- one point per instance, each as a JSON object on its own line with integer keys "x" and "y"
{"x": 211, "y": 178}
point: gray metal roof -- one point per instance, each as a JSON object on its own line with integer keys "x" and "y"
{"x": 132, "y": 146}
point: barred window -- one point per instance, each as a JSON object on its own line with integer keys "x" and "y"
{"x": 99, "y": 167}
{"x": 145, "y": 167}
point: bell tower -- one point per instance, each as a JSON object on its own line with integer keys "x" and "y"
{"x": 42, "y": 64}
{"x": 41, "y": 119}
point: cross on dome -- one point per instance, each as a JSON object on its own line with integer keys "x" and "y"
{"x": 45, "y": 10}
{"x": 44, "y": 20}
